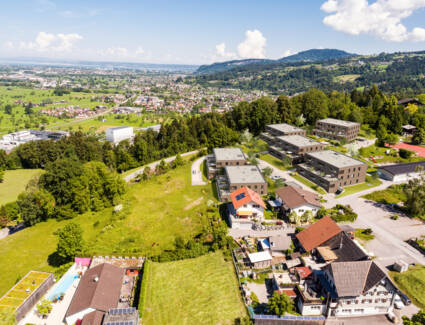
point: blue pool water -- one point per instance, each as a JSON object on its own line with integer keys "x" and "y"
{"x": 64, "y": 284}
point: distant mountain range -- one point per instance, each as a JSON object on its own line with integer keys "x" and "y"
{"x": 308, "y": 56}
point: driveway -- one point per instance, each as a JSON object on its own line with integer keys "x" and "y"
{"x": 197, "y": 172}
{"x": 134, "y": 174}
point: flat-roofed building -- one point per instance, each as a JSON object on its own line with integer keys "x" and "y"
{"x": 294, "y": 147}
{"x": 336, "y": 129}
{"x": 276, "y": 130}
{"x": 222, "y": 157}
{"x": 119, "y": 134}
{"x": 332, "y": 170}
{"x": 236, "y": 177}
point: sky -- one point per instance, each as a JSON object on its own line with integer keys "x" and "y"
{"x": 204, "y": 31}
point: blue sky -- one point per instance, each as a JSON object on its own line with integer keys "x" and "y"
{"x": 197, "y": 32}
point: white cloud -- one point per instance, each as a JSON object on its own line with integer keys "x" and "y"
{"x": 253, "y": 46}
{"x": 44, "y": 5}
{"x": 123, "y": 53}
{"x": 288, "y": 53}
{"x": 48, "y": 42}
{"x": 140, "y": 50}
{"x": 381, "y": 18}
{"x": 220, "y": 50}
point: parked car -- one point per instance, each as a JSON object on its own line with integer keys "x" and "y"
{"x": 398, "y": 303}
{"x": 404, "y": 298}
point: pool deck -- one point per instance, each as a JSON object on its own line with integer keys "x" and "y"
{"x": 57, "y": 315}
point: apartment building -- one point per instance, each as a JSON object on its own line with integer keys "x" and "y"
{"x": 332, "y": 170}
{"x": 222, "y": 157}
{"x": 118, "y": 134}
{"x": 236, "y": 177}
{"x": 276, "y": 130}
{"x": 294, "y": 147}
{"x": 336, "y": 129}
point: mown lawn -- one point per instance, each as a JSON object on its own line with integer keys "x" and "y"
{"x": 203, "y": 290}
{"x": 412, "y": 282}
{"x": 306, "y": 182}
{"x": 275, "y": 162}
{"x": 155, "y": 212}
{"x": 15, "y": 182}
{"x": 392, "y": 194}
{"x": 368, "y": 184}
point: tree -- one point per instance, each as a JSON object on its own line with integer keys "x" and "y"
{"x": 178, "y": 161}
{"x": 267, "y": 172}
{"x": 419, "y": 136}
{"x": 44, "y": 308}
{"x": 278, "y": 183}
{"x": 70, "y": 241}
{"x": 294, "y": 217}
{"x": 404, "y": 153}
{"x": 35, "y": 206}
{"x": 415, "y": 196}
{"x": 307, "y": 216}
{"x": 279, "y": 304}
{"x": 417, "y": 319}
{"x": 1, "y": 175}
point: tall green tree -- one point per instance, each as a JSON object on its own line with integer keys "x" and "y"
{"x": 279, "y": 304}
{"x": 70, "y": 241}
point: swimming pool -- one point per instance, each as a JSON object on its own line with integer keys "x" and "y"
{"x": 64, "y": 283}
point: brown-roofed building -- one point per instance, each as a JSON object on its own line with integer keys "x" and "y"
{"x": 93, "y": 318}
{"x": 358, "y": 288}
{"x": 99, "y": 290}
{"x": 318, "y": 233}
{"x": 298, "y": 200}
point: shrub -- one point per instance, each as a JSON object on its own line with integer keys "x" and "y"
{"x": 367, "y": 231}
{"x": 406, "y": 154}
{"x": 394, "y": 217}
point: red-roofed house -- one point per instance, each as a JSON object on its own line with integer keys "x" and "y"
{"x": 247, "y": 205}
{"x": 318, "y": 233}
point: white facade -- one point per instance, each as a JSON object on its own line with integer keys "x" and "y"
{"x": 119, "y": 134}
{"x": 256, "y": 210}
{"x": 400, "y": 177}
{"x": 311, "y": 309}
{"x": 302, "y": 208}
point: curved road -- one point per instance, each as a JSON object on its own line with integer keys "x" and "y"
{"x": 197, "y": 172}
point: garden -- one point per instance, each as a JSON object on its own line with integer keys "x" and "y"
{"x": 412, "y": 282}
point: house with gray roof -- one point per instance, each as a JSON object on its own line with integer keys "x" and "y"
{"x": 357, "y": 288}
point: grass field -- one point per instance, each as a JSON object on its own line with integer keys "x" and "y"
{"x": 368, "y": 184}
{"x": 363, "y": 235}
{"x": 155, "y": 212}
{"x": 306, "y": 182}
{"x": 15, "y": 182}
{"x": 392, "y": 194}
{"x": 347, "y": 77}
{"x": 203, "y": 290}
{"x": 275, "y": 162}
{"x": 412, "y": 282}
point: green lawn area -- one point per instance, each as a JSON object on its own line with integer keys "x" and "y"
{"x": 347, "y": 77}
{"x": 202, "y": 290}
{"x": 369, "y": 183}
{"x": 392, "y": 194}
{"x": 275, "y": 162}
{"x": 15, "y": 182}
{"x": 412, "y": 282}
{"x": 363, "y": 235}
{"x": 306, "y": 182}
{"x": 155, "y": 212}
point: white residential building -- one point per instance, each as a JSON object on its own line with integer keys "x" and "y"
{"x": 119, "y": 134}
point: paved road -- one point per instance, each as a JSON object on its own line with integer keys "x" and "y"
{"x": 154, "y": 164}
{"x": 390, "y": 235}
{"x": 197, "y": 172}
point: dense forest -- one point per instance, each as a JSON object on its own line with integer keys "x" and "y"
{"x": 398, "y": 73}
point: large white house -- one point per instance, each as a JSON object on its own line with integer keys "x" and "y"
{"x": 295, "y": 199}
{"x": 246, "y": 207}
{"x": 119, "y": 134}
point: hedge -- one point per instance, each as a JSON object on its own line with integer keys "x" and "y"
{"x": 144, "y": 286}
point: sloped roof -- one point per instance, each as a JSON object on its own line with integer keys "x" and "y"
{"x": 102, "y": 294}
{"x": 398, "y": 169}
{"x": 318, "y": 233}
{"x": 93, "y": 318}
{"x": 245, "y": 195}
{"x": 294, "y": 197}
{"x": 352, "y": 279}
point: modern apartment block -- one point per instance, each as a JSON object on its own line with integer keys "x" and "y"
{"x": 294, "y": 147}
{"x": 332, "y": 170}
{"x": 236, "y": 177}
{"x": 336, "y": 129}
{"x": 222, "y": 157}
{"x": 277, "y": 130}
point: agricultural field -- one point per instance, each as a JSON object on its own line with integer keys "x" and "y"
{"x": 155, "y": 212}
{"x": 412, "y": 282}
{"x": 15, "y": 182}
{"x": 202, "y": 290}
{"x": 347, "y": 77}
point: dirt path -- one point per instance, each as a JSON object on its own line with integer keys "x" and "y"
{"x": 193, "y": 204}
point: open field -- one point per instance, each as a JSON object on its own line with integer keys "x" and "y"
{"x": 347, "y": 77}
{"x": 392, "y": 194}
{"x": 275, "y": 162}
{"x": 15, "y": 182}
{"x": 202, "y": 290}
{"x": 412, "y": 282}
{"x": 161, "y": 209}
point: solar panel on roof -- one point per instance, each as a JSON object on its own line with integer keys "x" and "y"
{"x": 240, "y": 196}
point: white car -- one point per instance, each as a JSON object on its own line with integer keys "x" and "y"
{"x": 398, "y": 304}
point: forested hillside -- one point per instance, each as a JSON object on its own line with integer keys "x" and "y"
{"x": 400, "y": 73}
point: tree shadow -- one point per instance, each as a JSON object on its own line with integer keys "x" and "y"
{"x": 55, "y": 260}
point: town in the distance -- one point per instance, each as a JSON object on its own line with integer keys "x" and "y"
{"x": 240, "y": 189}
